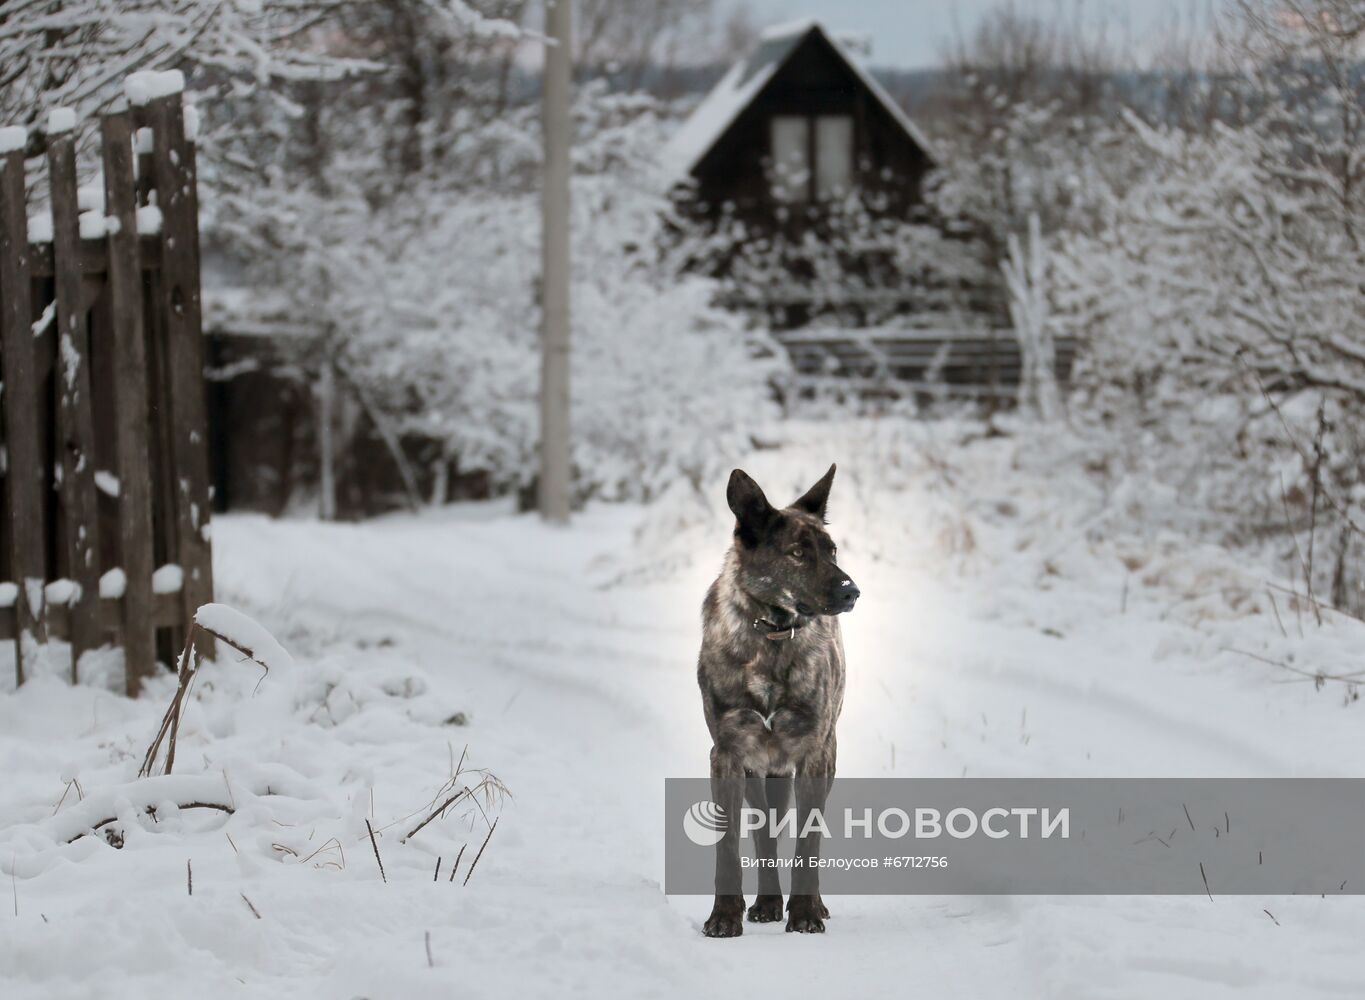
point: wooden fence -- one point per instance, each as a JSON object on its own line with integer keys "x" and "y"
{"x": 105, "y": 526}
{"x": 952, "y": 360}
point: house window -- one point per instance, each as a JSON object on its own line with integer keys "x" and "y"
{"x": 791, "y": 157}
{"x": 833, "y": 156}
{"x": 797, "y": 140}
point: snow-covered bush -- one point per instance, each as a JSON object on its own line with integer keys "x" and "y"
{"x": 446, "y": 333}
{"x": 1221, "y": 299}
{"x": 857, "y": 264}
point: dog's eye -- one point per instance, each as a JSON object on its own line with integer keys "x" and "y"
{"x": 797, "y": 553}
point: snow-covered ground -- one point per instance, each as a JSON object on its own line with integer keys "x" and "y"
{"x": 1016, "y": 620}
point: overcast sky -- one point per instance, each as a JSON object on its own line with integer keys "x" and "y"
{"x": 908, "y": 34}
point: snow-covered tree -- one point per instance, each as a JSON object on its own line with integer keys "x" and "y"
{"x": 424, "y": 305}
{"x": 1027, "y": 282}
{"x": 1226, "y": 283}
{"x": 76, "y": 53}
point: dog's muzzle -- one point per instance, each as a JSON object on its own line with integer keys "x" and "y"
{"x": 845, "y": 595}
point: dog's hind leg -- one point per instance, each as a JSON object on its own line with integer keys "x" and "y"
{"x": 771, "y": 796}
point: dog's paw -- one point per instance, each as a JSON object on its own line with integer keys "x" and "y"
{"x": 766, "y": 909}
{"x": 821, "y": 908}
{"x": 805, "y": 915}
{"x": 726, "y": 919}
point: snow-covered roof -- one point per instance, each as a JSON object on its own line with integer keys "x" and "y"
{"x": 739, "y": 87}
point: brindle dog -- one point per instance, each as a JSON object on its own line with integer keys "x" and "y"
{"x": 771, "y": 672}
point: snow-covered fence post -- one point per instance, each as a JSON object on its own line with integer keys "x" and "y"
{"x": 25, "y": 483}
{"x": 173, "y": 163}
{"x": 130, "y": 397}
{"x": 158, "y": 419}
{"x": 75, "y": 412}
{"x": 1025, "y": 275}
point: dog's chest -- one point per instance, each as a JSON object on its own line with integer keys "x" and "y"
{"x": 762, "y": 691}
{"x": 766, "y": 681}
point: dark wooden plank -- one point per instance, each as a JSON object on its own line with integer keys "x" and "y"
{"x": 166, "y": 612}
{"x": 94, "y": 256}
{"x": 25, "y": 477}
{"x": 131, "y": 424}
{"x": 164, "y": 545}
{"x": 173, "y": 164}
{"x": 45, "y": 349}
{"x": 169, "y": 641}
{"x": 75, "y": 419}
{"x": 199, "y": 343}
{"x": 103, "y": 358}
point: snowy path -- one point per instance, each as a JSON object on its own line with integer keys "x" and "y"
{"x": 582, "y": 700}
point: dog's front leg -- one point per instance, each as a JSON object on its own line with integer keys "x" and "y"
{"x": 727, "y": 791}
{"x": 806, "y": 912}
{"x": 770, "y": 796}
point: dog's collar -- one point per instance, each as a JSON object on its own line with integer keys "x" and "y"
{"x": 777, "y": 633}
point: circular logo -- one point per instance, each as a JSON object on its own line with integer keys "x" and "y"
{"x": 704, "y": 823}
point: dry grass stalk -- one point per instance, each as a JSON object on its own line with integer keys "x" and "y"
{"x": 475, "y": 863}
{"x": 438, "y": 811}
{"x": 80, "y": 794}
{"x": 485, "y": 793}
{"x": 375, "y": 844}
{"x": 170, "y": 722}
{"x": 330, "y": 844}
{"x": 188, "y": 669}
{"x": 456, "y": 866}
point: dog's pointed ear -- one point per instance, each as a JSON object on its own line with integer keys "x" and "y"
{"x": 817, "y": 497}
{"x": 751, "y": 508}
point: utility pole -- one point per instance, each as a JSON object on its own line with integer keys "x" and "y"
{"x": 555, "y": 468}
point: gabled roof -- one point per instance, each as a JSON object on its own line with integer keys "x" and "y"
{"x": 745, "y": 80}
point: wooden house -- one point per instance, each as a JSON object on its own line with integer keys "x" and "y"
{"x": 796, "y": 160}
{"x": 798, "y": 124}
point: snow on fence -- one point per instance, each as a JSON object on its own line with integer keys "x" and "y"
{"x": 105, "y": 526}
